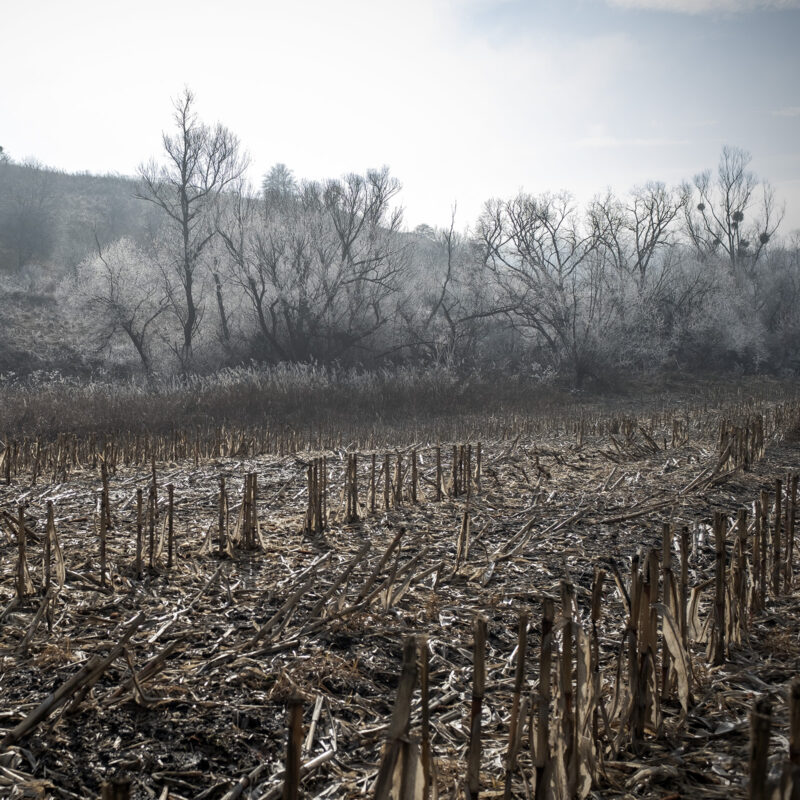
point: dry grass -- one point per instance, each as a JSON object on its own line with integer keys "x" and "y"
{"x": 309, "y": 399}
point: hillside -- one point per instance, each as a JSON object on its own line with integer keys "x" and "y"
{"x": 51, "y": 217}
{"x": 40, "y": 334}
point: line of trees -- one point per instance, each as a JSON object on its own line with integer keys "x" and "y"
{"x": 694, "y": 276}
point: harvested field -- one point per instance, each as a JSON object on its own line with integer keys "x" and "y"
{"x": 296, "y": 599}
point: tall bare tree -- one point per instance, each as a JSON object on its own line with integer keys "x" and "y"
{"x": 719, "y": 211}
{"x": 200, "y": 163}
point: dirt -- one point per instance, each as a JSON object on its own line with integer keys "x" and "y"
{"x": 217, "y": 708}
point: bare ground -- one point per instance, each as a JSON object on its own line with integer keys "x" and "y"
{"x": 216, "y": 708}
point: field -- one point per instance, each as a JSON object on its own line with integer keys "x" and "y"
{"x": 565, "y": 604}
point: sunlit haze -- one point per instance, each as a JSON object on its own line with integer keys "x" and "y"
{"x": 463, "y": 99}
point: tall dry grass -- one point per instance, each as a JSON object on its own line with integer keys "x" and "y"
{"x": 313, "y": 398}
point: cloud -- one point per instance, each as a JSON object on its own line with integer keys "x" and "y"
{"x": 787, "y": 111}
{"x": 708, "y": 6}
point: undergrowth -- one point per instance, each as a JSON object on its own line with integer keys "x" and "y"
{"x": 307, "y": 397}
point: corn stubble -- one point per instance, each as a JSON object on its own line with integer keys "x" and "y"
{"x": 537, "y": 675}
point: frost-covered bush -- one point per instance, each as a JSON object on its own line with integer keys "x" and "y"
{"x": 122, "y": 292}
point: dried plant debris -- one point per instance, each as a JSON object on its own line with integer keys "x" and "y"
{"x": 574, "y": 608}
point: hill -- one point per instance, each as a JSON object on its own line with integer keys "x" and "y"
{"x": 51, "y": 218}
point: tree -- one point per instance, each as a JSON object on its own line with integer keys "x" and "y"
{"x": 550, "y": 273}
{"x": 447, "y": 306}
{"x": 779, "y": 310}
{"x": 123, "y": 293}
{"x": 4, "y": 159}
{"x": 636, "y": 230}
{"x": 279, "y": 184}
{"x": 318, "y": 272}
{"x": 27, "y": 213}
{"x": 717, "y": 208}
{"x": 201, "y": 162}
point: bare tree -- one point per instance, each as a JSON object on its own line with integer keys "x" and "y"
{"x": 122, "y": 291}
{"x": 447, "y": 307}
{"x": 549, "y": 272}
{"x": 717, "y": 208}
{"x": 27, "y": 213}
{"x": 636, "y": 230}
{"x": 779, "y": 308}
{"x": 200, "y": 163}
{"x": 318, "y": 271}
{"x": 279, "y": 184}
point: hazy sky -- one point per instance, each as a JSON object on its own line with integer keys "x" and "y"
{"x": 463, "y": 99}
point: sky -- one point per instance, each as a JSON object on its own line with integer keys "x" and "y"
{"x": 464, "y": 100}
